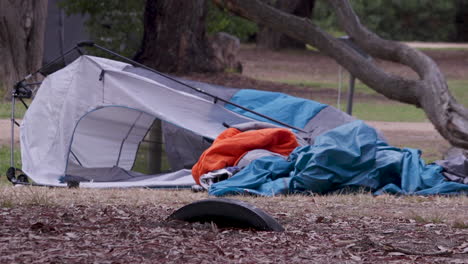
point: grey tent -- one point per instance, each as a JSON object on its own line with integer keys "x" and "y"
{"x": 89, "y": 119}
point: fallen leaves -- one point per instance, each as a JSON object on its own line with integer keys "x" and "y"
{"x": 316, "y": 232}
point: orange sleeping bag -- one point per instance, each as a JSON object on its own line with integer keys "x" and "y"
{"x": 232, "y": 144}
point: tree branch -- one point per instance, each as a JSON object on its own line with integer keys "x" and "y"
{"x": 430, "y": 92}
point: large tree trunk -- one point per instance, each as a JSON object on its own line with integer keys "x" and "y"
{"x": 174, "y": 37}
{"x": 430, "y": 91}
{"x": 22, "y": 26}
{"x": 272, "y": 39}
{"x": 174, "y": 41}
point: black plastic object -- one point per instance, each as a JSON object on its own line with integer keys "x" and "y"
{"x": 227, "y": 213}
{"x": 13, "y": 178}
{"x": 22, "y": 91}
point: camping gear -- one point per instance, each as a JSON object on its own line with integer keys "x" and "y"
{"x": 89, "y": 122}
{"x": 90, "y": 125}
{"x": 232, "y": 144}
{"x": 349, "y": 157}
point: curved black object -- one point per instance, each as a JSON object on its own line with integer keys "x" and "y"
{"x": 20, "y": 179}
{"x": 227, "y": 213}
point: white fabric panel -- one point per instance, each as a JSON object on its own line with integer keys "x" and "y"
{"x": 179, "y": 108}
{"x": 174, "y": 179}
{"x": 68, "y": 95}
{"x": 100, "y": 134}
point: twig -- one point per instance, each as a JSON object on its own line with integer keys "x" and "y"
{"x": 391, "y": 248}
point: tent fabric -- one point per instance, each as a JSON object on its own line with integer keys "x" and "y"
{"x": 456, "y": 167}
{"x": 184, "y": 147}
{"x": 88, "y": 120}
{"x": 95, "y": 110}
{"x": 289, "y": 109}
{"x": 233, "y": 144}
{"x": 348, "y": 157}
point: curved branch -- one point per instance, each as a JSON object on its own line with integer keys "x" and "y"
{"x": 449, "y": 117}
{"x": 303, "y": 29}
{"x": 430, "y": 92}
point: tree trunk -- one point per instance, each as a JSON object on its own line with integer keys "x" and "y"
{"x": 430, "y": 91}
{"x": 174, "y": 37}
{"x": 22, "y": 26}
{"x": 271, "y": 39}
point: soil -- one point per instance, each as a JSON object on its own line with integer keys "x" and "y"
{"x": 312, "y": 65}
{"x": 5, "y": 133}
{"x": 108, "y": 226}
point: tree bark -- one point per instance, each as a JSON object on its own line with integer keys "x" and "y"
{"x": 430, "y": 91}
{"x": 174, "y": 37}
{"x": 271, "y": 39}
{"x": 22, "y": 27}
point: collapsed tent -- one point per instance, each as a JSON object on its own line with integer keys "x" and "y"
{"x": 90, "y": 121}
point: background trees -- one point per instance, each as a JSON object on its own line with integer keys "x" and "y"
{"x": 461, "y": 20}
{"x": 398, "y": 20}
{"x": 115, "y": 24}
{"x": 272, "y": 39}
{"x": 174, "y": 37}
{"x": 22, "y": 25}
{"x": 119, "y": 23}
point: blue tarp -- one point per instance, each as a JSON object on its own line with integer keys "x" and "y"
{"x": 349, "y": 156}
{"x": 289, "y": 109}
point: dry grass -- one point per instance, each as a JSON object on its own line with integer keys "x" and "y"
{"x": 431, "y": 209}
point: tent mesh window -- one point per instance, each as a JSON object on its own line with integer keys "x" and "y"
{"x": 123, "y": 144}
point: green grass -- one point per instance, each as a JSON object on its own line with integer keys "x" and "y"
{"x": 378, "y": 109}
{"x": 459, "y": 89}
{"x": 5, "y": 110}
{"x": 142, "y": 161}
{"x": 393, "y": 111}
{"x": 443, "y": 49}
{"x": 388, "y": 112}
{"x": 308, "y": 84}
{"x": 5, "y": 162}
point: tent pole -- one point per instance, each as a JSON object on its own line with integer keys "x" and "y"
{"x": 48, "y": 64}
{"x": 92, "y": 44}
{"x": 12, "y": 143}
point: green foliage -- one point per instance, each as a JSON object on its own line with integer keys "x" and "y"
{"x": 222, "y": 21}
{"x": 115, "y": 24}
{"x": 423, "y": 20}
{"x": 118, "y": 24}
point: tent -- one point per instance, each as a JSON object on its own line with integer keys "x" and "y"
{"x": 88, "y": 121}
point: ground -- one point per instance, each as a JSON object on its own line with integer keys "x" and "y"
{"x": 46, "y": 225}
{"x": 122, "y": 226}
